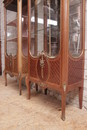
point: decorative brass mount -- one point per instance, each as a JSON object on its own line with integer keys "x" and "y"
{"x": 64, "y": 87}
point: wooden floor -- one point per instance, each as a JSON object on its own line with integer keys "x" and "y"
{"x": 39, "y": 113}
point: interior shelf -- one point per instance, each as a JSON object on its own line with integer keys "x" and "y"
{"x": 75, "y": 3}
{"x": 12, "y": 39}
{"x": 15, "y": 39}
{"x": 24, "y": 38}
{"x": 24, "y": 16}
{"x": 12, "y": 23}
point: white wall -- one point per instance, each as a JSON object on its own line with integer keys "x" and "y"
{"x": 2, "y": 33}
{"x": 85, "y": 68}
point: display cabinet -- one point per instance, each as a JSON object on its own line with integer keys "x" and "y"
{"x": 56, "y": 46}
{"x": 16, "y": 39}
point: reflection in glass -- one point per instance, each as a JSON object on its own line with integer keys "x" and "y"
{"x": 24, "y": 28}
{"x": 75, "y": 28}
{"x": 45, "y": 27}
{"x": 11, "y": 46}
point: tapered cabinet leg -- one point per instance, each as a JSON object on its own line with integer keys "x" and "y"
{"x": 36, "y": 85}
{"x": 5, "y": 74}
{"x": 20, "y": 89}
{"x": 80, "y": 97}
{"x": 45, "y": 91}
{"x": 63, "y": 106}
{"x": 28, "y": 86}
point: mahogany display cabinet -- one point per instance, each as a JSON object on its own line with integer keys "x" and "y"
{"x": 56, "y": 46}
{"x": 16, "y": 39}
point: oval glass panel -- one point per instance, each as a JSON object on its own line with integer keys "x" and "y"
{"x": 75, "y": 28}
{"x": 45, "y": 27}
{"x": 11, "y": 23}
{"x": 25, "y": 27}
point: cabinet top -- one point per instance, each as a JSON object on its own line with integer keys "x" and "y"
{"x": 10, "y": 5}
{"x": 7, "y": 2}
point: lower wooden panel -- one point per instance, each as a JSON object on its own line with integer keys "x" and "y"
{"x": 75, "y": 73}
{"x": 24, "y": 65}
{"x": 33, "y": 67}
{"x": 54, "y": 75}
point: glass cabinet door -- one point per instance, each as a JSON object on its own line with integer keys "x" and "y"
{"x": 45, "y": 27}
{"x": 75, "y": 27}
{"x": 53, "y": 27}
{"x": 25, "y": 27}
{"x": 37, "y": 27}
{"x": 11, "y": 24}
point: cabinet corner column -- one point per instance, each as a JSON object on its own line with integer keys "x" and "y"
{"x": 19, "y": 22}
{"x": 64, "y": 51}
{"x": 65, "y": 39}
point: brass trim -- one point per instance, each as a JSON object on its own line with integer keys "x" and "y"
{"x": 64, "y": 87}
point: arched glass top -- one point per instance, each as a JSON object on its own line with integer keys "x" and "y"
{"x": 75, "y": 28}
{"x": 45, "y": 27}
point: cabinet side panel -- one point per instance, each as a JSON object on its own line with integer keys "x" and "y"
{"x": 7, "y": 67}
{"x": 15, "y": 66}
{"x": 75, "y": 72}
{"x": 54, "y": 71}
{"x": 33, "y": 68}
{"x": 24, "y": 65}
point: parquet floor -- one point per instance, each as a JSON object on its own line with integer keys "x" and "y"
{"x": 41, "y": 112}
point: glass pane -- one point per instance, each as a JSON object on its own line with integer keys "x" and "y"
{"x": 12, "y": 30}
{"x": 45, "y": 27}
{"x": 39, "y": 35}
{"x": 37, "y": 27}
{"x": 53, "y": 27}
{"x": 75, "y": 27}
{"x": 24, "y": 28}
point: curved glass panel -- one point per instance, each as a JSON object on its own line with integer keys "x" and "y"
{"x": 11, "y": 46}
{"x": 24, "y": 28}
{"x": 45, "y": 27}
{"x": 53, "y": 27}
{"x": 37, "y": 27}
{"x": 75, "y": 28}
